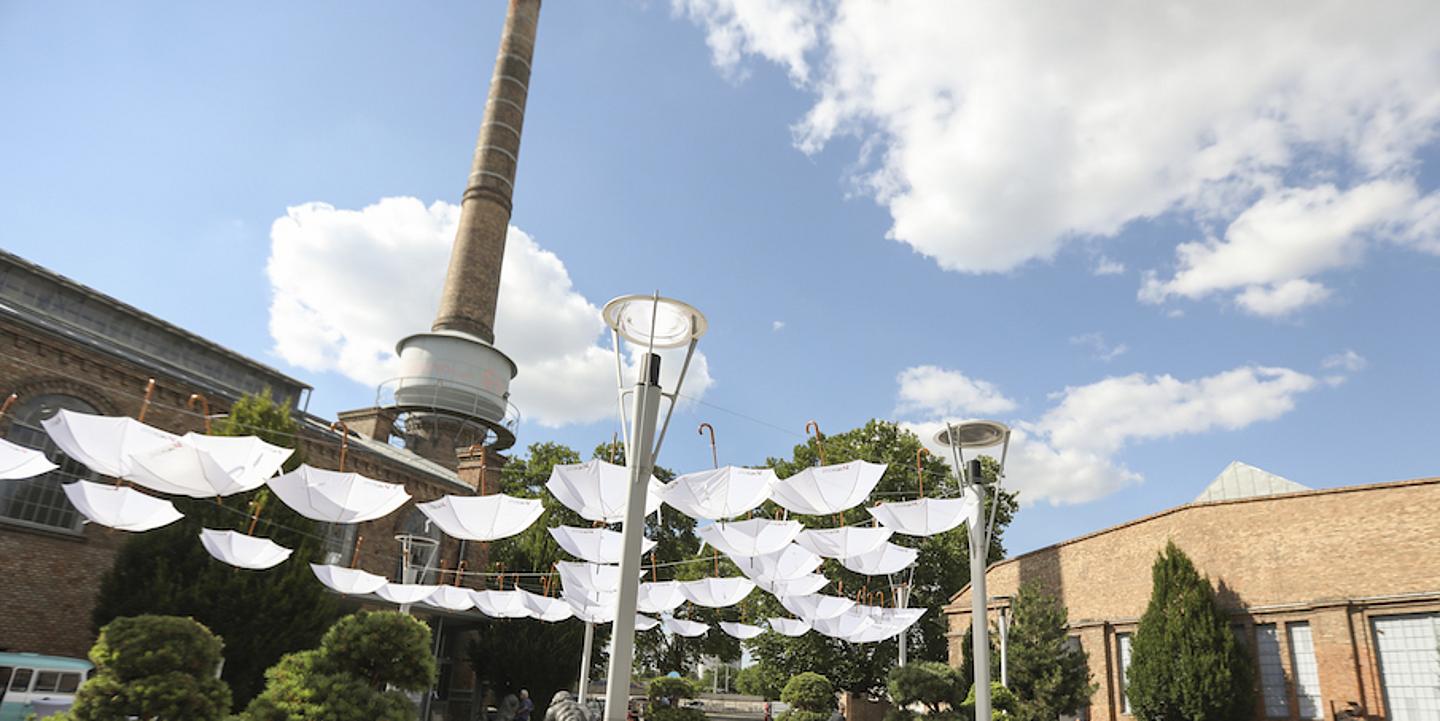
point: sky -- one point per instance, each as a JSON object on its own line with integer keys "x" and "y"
{"x": 1153, "y": 239}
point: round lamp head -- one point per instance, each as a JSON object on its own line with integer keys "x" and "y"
{"x": 647, "y": 320}
{"x": 973, "y": 434}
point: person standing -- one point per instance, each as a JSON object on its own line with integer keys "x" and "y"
{"x": 526, "y": 706}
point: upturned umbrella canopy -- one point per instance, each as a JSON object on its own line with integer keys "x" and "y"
{"x": 823, "y": 490}
{"x": 789, "y": 562}
{"x": 349, "y": 581}
{"x": 482, "y": 518}
{"x": 645, "y": 623}
{"x": 789, "y": 626}
{"x": 207, "y": 466}
{"x": 597, "y": 490}
{"x": 242, "y": 551}
{"x": 682, "y": 627}
{"x": 659, "y": 597}
{"x": 596, "y": 545}
{"x": 402, "y": 594}
{"x": 755, "y": 537}
{"x": 742, "y": 631}
{"x": 816, "y": 606}
{"x": 596, "y": 613}
{"x": 719, "y": 493}
{"x": 123, "y": 509}
{"x": 927, "y": 516}
{"x": 544, "y": 608}
{"x": 886, "y": 623}
{"x": 589, "y": 577}
{"x": 844, "y": 626}
{"x": 17, "y": 462}
{"x": 843, "y": 542}
{"x": 886, "y": 559}
{"x": 717, "y": 592}
{"x": 501, "y": 604}
{"x": 105, "y": 444}
{"x": 336, "y": 497}
{"x": 451, "y": 598}
{"x": 802, "y": 586}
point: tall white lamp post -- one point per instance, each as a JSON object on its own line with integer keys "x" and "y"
{"x": 959, "y": 437}
{"x": 653, "y": 323}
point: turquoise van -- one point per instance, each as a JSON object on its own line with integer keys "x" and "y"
{"x": 42, "y": 685}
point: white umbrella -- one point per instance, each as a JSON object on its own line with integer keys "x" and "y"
{"x": 206, "y": 466}
{"x": 886, "y": 623}
{"x": 742, "y": 631}
{"x": 816, "y": 606}
{"x": 105, "y": 444}
{"x": 596, "y": 545}
{"x": 789, "y": 562}
{"x": 843, "y": 542}
{"x": 592, "y": 612}
{"x": 843, "y": 626}
{"x": 645, "y": 623}
{"x": 720, "y": 493}
{"x": 802, "y": 586}
{"x": 755, "y": 537}
{"x": 589, "y": 576}
{"x": 681, "y": 627}
{"x": 544, "y": 608}
{"x": 350, "y": 581}
{"x": 123, "y": 509}
{"x": 717, "y": 592}
{"x": 597, "y": 490}
{"x": 451, "y": 598}
{"x": 659, "y": 597}
{"x": 337, "y": 497}
{"x": 819, "y": 491}
{"x": 501, "y": 604}
{"x": 927, "y": 516}
{"x": 404, "y": 594}
{"x": 482, "y": 518}
{"x": 789, "y": 626}
{"x": 886, "y": 559}
{"x": 17, "y": 462}
{"x": 583, "y": 597}
{"x": 242, "y": 551}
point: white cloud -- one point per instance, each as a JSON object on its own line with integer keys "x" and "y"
{"x": 1101, "y": 349}
{"x": 1069, "y": 454}
{"x": 777, "y": 326}
{"x": 1108, "y": 266}
{"x": 348, "y": 284}
{"x": 996, "y": 133}
{"x": 1347, "y": 361}
{"x": 934, "y": 391}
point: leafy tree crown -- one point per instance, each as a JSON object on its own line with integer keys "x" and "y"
{"x": 809, "y": 691}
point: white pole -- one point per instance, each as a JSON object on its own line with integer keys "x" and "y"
{"x": 585, "y": 662}
{"x": 1004, "y": 650}
{"x": 979, "y": 623}
{"x": 904, "y": 595}
{"x": 638, "y": 458}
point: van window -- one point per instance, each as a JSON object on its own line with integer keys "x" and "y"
{"x": 69, "y": 682}
{"x": 21, "y": 680}
{"x": 46, "y": 681}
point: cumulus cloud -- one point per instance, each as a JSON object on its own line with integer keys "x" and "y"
{"x": 1069, "y": 453}
{"x": 1099, "y": 347}
{"x": 348, "y": 284}
{"x": 777, "y": 325}
{"x": 1108, "y": 266}
{"x": 1346, "y": 361}
{"x": 934, "y": 391}
{"x": 995, "y": 133}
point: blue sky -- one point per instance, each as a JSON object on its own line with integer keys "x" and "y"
{"x": 1152, "y": 260}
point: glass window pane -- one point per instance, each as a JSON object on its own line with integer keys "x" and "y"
{"x": 21, "y": 680}
{"x": 1307, "y": 673}
{"x": 1272, "y": 672}
{"x": 40, "y": 501}
{"x": 1409, "y": 650}
{"x": 69, "y": 682}
{"x": 1124, "y": 639}
{"x": 46, "y": 681}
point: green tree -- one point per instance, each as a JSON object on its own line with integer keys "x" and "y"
{"x": 761, "y": 680}
{"x": 811, "y": 697}
{"x": 932, "y": 684}
{"x": 1186, "y": 665}
{"x": 1049, "y": 676}
{"x": 154, "y": 667}
{"x": 262, "y": 615}
{"x": 365, "y": 663}
{"x": 1002, "y": 703}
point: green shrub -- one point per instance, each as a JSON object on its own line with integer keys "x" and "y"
{"x": 899, "y": 713}
{"x": 1002, "y": 702}
{"x": 672, "y": 713}
{"x": 798, "y": 714}
{"x": 154, "y": 667}
{"x": 931, "y": 683}
{"x": 809, "y": 691}
{"x": 671, "y": 689}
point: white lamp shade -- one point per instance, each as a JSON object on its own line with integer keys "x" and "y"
{"x": 802, "y": 586}
{"x": 451, "y": 598}
{"x": 755, "y": 537}
{"x": 843, "y": 542}
{"x": 596, "y": 545}
{"x": 659, "y": 597}
{"x": 647, "y": 320}
{"x": 682, "y": 627}
{"x": 242, "y": 551}
{"x": 791, "y": 627}
{"x": 544, "y": 608}
{"x": 828, "y": 489}
{"x": 105, "y": 444}
{"x": 886, "y": 559}
{"x": 482, "y": 518}
{"x": 123, "y": 509}
{"x": 501, "y": 604}
{"x": 717, "y": 592}
{"x": 927, "y": 516}
{"x": 816, "y": 606}
{"x": 336, "y": 497}
{"x": 742, "y": 631}
{"x": 208, "y": 466}
{"x": 789, "y": 562}
{"x": 720, "y": 493}
{"x": 597, "y": 490}
{"x": 349, "y": 581}
{"x": 404, "y": 594}
{"x": 17, "y": 462}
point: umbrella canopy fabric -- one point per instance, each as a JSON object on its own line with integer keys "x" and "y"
{"x": 843, "y": 542}
{"x": 451, "y": 598}
{"x": 596, "y": 613}
{"x": 17, "y": 462}
{"x": 645, "y": 623}
{"x": 544, "y": 608}
{"x": 105, "y": 444}
{"x": 720, "y": 493}
{"x": 843, "y": 626}
{"x": 824, "y": 490}
{"x": 336, "y": 497}
{"x": 886, "y": 623}
{"x": 927, "y": 516}
{"x": 659, "y": 597}
{"x": 404, "y": 594}
{"x": 597, "y": 490}
{"x": 681, "y": 627}
{"x": 596, "y": 545}
{"x": 816, "y": 606}
{"x": 789, "y": 562}
{"x": 791, "y": 627}
{"x": 802, "y": 586}
{"x": 755, "y": 537}
{"x": 589, "y": 577}
{"x": 583, "y": 597}
{"x": 742, "y": 631}
{"x": 886, "y": 559}
{"x": 242, "y": 551}
{"x": 201, "y": 466}
{"x": 349, "y": 581}
{"x": 482, "y": 518}
{"x": 717, "y": 592}
{"x": 123, "y": 509}
{"x": 501, "y": 604}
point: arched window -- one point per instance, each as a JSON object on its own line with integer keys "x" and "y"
{"x": 39, "y": 501}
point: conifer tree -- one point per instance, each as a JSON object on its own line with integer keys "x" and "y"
{"x": 153, "y": 667}
{"x": 1049, "y": 676}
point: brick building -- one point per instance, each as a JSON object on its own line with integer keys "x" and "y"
{"x": 1335, "y": 592}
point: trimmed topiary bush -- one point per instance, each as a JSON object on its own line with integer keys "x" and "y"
{"x": 154, "y": 667}
{"x": 810, "y": 696}
{"x": 932, "y": 684}
{"x": 1002, "y": 703}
